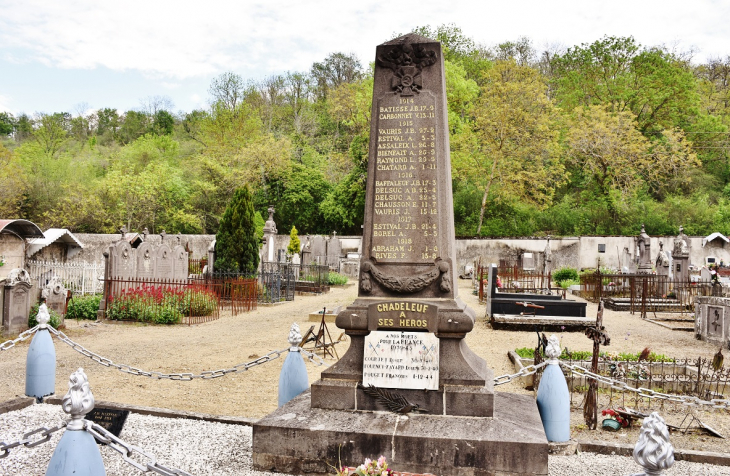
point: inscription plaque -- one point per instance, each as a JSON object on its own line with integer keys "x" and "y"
{"x": 407, "y": 360}
{"x": 403, "y": 315}
{"x": 111, "y": 419}
{"x": 714, "y": 320}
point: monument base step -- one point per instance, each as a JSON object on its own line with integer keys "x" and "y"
{"x": 298, "y": 439}
{"x": 541, "y": 323}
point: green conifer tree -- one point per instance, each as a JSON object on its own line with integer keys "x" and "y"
{"x": 237, "y": 247}
{"x": 294, "y": 243}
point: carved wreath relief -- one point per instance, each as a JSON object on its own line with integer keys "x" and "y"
{"x": 407, "y": 61}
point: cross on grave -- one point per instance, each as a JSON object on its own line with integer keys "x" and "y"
{"x": 716, "y": 324}
{"x": 599, "y": 336}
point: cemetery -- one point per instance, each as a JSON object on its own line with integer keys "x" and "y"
{"x": 446, "y": 359}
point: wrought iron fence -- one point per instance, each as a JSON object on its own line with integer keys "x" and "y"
{"x": 694, "y": 377}
{"x": 196, "y": 266}
{"x": 79, "y": 277}
{"x": 514, "y": 279}
{"x": 162, "y": 301}
{"x": 643, "y": 292}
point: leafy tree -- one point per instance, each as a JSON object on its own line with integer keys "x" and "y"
{"x": 23, "y": 128}
{"x": 7, "y": 124}
{"x": 656, "y": 86}
{"x": 226, "y": 90}
{"x": 11, "y": 183}
{"x": 163, "y": 123}
{"x": 294, "y": 243}
{"x": 336, "y": 69}
{"x": 237, "y": 248}
{"x": 134, "y": 125}
{"x": 512, "y": 152}
{"x": 51, "y": 131}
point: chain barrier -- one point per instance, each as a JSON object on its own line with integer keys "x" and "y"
{"x": 23, "y": 336}
{"x": 688, "y": 400}
{"x": 28, "y": 442}
{"x": 314, "y": 358}
{"x": 208, "y": 374}
{"x": 127, "y": 451}
{"x": 524, "y": 372}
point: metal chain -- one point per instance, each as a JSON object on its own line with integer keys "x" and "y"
{"x": 647, "y": 392}
{"x": 524, "y": 372}
{"x": 27, "y": 441}
{"x": 23, "y": 336}
{"x": 208, "y": 374}
{"x": 312, "y": 357}
{"x": 127, "y": 451}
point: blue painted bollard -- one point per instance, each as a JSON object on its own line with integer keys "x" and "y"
{"x": 553, "y": 398}
{"x": 40, "y": 365}
{"x": 293, "y": 379}
{"x": 77, "y": 453}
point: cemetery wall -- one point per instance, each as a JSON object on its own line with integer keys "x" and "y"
{"x": 12, "y": 249}
{"x": 577, "y": 252}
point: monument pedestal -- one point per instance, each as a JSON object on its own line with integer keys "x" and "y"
{"x": 300, "y": 439}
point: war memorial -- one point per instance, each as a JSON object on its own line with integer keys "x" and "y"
{"x": 407, "y": 325}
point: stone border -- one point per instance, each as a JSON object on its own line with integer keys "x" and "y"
{"x": 567, "y": 448}
{"x": 23, "y": 402}
{"x": 588, "y": 446}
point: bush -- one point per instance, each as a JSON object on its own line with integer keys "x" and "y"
{"x": 564, "y": 274}
{"x": 565, "y": 284}
{"x": 336, "y": 279}
{"x": 55, "y": 318}
{"x": 83, "y": 307}
{"x": 529, "y": 353}
{"x": 161, "y": 304}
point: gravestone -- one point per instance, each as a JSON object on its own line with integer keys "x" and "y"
{"x": 179, "y": 263}
{"x": 319, "y": 249}
{"x": 662, "y": 265}
{"x": 267, "y": 252}
{"x": 644, "y": 245}
{"x": 407, "y": 327}
{"x": 680, "y": 256}
{"x": 54, "y": 293}
{"x": 145, "y": 261}
{"x": 334, "y": 251}
{"x": 712, "y": 320}
{"x": 163, "y": 258}
{"x": 121, "y": 260}
{"x": 16, "y": 301}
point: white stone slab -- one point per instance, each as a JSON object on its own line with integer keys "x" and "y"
{"x": 406, "y": 360}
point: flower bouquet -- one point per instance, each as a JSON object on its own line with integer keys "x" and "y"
{"x": 613, "y": 421}
{"x": 369, "y": 467}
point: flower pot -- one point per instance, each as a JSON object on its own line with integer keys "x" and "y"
{"x": 611, "y": 425}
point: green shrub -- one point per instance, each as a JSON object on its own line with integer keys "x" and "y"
{"x": 564, "y": 274}
{"x": 161, "y": 304}
{"x": 565, "y": 284}
{"x": 336, "y": 279}
{"x": 529, "y": 353}
{"x": 83, "y": 307}
{"x": 55, "y": 318}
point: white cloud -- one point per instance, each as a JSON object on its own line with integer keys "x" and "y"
{"x": 5, "y": 104}
{"x": 179, "y": 39}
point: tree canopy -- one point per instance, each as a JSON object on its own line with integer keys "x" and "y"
{"x": 592, "y": 138}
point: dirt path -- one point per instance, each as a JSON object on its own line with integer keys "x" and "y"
{"x": 236, "y": 339}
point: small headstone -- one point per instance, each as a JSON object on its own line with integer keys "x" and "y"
{"x": 110, "y": 418}
{"x": 55, "y": 295}
{"x": 163, "y": 262}
{"x": 179, "y": 263}
{"x": 145, "y": 260}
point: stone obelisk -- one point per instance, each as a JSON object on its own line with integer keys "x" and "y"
{"x": 407, "y": 325}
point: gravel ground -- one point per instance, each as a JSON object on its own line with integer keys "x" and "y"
{"x": 205, "y": 448}
{"x": 235, "y": 339}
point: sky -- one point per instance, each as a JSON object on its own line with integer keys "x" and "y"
{"x": 78, "y": 55}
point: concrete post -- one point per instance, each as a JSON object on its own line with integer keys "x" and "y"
{"x": 40, "y": 365}
{"x": 293, "y": 379}
{"x": 553, "y": 398}
{"x": 77, "y": 453}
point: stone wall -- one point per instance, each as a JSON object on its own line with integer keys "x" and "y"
{"x": 577, "y": 252}
{"x": 12, "y": 249}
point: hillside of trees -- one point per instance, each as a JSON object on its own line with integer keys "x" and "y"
{"x": 589, "y": 139}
